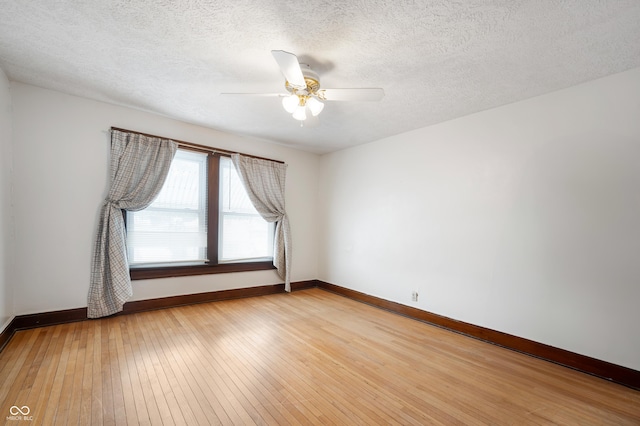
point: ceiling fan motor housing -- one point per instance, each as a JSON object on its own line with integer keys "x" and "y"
{"x": 310, "y": 78}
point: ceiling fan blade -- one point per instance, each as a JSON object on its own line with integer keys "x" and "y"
{"x": 257, "y": 94}
{"x": 288, "y": 63}
{"x": 372, "y": 94}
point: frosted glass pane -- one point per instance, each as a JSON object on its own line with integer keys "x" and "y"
{"x": 174, "y": 227}
{"x": 234, "y": 197}
{"x": 244, "y": 234}
{"x": 166, "y": 221}
{"x": 185, "y": 183}
{"x": 245, "y": 237}
{"x": 157, "y": 247}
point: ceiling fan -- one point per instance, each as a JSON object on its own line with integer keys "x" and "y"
{"x": 304, "y": 92}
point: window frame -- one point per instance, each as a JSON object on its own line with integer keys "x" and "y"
{"x": 211, "y": 267}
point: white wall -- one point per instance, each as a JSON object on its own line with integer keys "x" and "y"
{"x": 6, "y": 229}
{"x": 523, "y": 219}
{"x": 61, "y": 156}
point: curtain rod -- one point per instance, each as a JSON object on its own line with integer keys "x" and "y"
{"x": 196, "y": 146}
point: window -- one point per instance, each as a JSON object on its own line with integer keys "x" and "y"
{"x": 201, "y": 222}
{"x": 243, "y": 234}
{"x": 173, "y": 229}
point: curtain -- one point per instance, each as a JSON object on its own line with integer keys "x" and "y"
{"x": 264, "y": 182}
{"x": 139, "y": 167}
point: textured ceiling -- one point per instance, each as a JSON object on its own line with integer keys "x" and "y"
{"x": 436, "y": 60}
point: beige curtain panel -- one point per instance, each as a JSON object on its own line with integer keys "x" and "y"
{"x": 139, "y": 167}
{"x": 264, "y": 182}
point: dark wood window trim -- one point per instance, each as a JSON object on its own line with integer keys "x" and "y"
{"x": 213, "y": 206}
{"x": 185, "y": 271}
{"x": 213, "y": 267}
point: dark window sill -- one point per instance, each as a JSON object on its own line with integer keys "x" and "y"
{"x": 185, "y": 271}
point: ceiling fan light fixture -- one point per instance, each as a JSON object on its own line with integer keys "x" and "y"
{"x": 315, "y": 106}
{"x": 300, "y": 113}
{"x": 290, "y": 103}
{"x": 303, "y": 87}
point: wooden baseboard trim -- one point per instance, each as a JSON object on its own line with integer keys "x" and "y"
{"x": 606, "y": 370}
{"x": 7, "y": 334}
{"x": 43, "y": 319}
{"x": 24, "y": 322}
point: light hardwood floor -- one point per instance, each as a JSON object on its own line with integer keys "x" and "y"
{"x": 310, "y": 357}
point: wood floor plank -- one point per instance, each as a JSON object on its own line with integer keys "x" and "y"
{"x": 65, "y": 377}
{"x": 217, "y": 383}
{"x": 12, "y": 355}
{"x": 262, "y": 399}
{"x": 86, "y": 393}
{"x": 146, "y": 375}
{"x": 373, "y": 417}
{"x": 309, "y": 357}
{"x": 75, "y": 397}
{"x": 96, "y": 379}
{"x": 246, "y": 346}
{"x": 141, "y": 412}
{"x": 335, "y": 376}
{"x": 203, "y": 402}
{"x": 118, "y": 388}
{"x": 42, "y": 390}
{"x": 19, "y": 380}
{"x": 156, "y": 375}
{"x": 178, "y": 413}
{"x": 208, "y": 398}
{"x": 29, "y": 375}
{"x": 125, "y": 408}
{"x": 237, "y": 318}
{"x": 108, "y": 385}
{"x": 55, "y": 396}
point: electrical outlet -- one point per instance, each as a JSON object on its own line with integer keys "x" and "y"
{"x": 414, "y": 296}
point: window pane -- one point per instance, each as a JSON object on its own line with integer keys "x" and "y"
{"x": 185, "y": 184}
{"x": 245, "y": 237}
{"x": 233, "y": 196}
{"x": 244, "y": 234}
{"x": 174, "y": 227}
